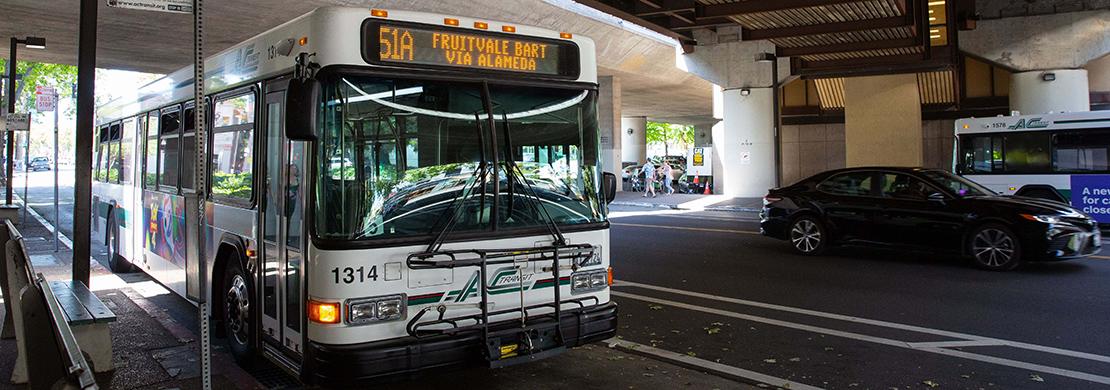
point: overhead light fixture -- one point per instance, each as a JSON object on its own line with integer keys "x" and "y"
{"x": 1048, "y": 76}
{"x": 745, "y": 92}
{"x": 765, "y": 57}
{"x": 34, "y": 42}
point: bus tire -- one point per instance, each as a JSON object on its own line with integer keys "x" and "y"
{"x": 116, "y": 261}
{"x": 239, "y": 313}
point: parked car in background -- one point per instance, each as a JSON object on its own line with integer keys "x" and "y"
{"x": 39, "y": 164}
{"x": 928, "y": 209}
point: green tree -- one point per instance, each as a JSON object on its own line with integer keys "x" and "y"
{"x": 33, "y": 74}
{"x": 670, "y": 135}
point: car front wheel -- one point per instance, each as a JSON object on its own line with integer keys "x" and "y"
{"x": 995, "y": 248}
{"x": 807, "y": 236}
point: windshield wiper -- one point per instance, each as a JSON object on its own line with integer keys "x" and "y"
{"x": 454, "y": 208}
{"x": 512, "y": 172}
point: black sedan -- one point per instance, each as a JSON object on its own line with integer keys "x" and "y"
{"x": 929, "y": 209}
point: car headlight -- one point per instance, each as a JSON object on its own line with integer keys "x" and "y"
{"x": 1049, "y": 219}
{"x": 587, "y": 281}
{"x": 366, "y": 310}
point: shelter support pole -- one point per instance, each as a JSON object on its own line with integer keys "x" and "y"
{"x": 82, "y": 188}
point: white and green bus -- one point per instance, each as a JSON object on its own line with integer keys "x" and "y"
{"x": 1061, "y": 156}
{"x": 390, "y": 192}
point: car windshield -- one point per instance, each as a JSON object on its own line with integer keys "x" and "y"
{"x": 958, "y": 185}
{"x": 403, "y": 158}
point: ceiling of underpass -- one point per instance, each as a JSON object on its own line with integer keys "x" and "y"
{"x": 161, "y": 42}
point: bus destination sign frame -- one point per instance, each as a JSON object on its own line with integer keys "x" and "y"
{"x": 453, "y": 48}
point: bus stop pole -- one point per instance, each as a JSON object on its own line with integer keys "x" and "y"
{"x": 82, "y": 188}
{"x": 200, "y": 178}
{"x": 57, "y": 223}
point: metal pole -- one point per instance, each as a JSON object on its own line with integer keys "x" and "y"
{"x": 57, "y": 223}
{"x": 200, "y": 180}
{"x": 11, "y": 110}
{"x": 82, "y": 187}
{"x": 26, "y": 171}
{"x": 775, "y": 118}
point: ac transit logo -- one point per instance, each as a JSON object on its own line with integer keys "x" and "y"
{"x": 1033, "y": 123}
{"x": 504, "y": 280}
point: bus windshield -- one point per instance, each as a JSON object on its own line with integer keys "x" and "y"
{"x": 403, "y": 158}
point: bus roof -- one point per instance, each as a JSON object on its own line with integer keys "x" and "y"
{"x": 333, "y": 34}
{"x": 1055, "y": 121}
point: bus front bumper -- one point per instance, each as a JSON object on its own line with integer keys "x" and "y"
{"x": 383, "y": 361}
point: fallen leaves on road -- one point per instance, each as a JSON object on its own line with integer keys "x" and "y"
{"x": 930, "y": 383}
{"x": 655, "y": 307}
{"x": 691, "y": 354}
{"x": 713, "y": 330}
{"x": 770, "y": 361}
{"x": 1035, "y": 378}
{"x": 795, "y": 359}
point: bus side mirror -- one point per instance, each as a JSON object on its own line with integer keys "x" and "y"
{"x": 300, "y": 109}
{"x": 609, "y": 186}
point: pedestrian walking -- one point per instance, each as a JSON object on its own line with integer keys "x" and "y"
{"x": 648, "y": 172}
{"x": 668, "y": 176}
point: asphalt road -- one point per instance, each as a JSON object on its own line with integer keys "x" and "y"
{"x": 40, "y": 195}
{"x": 707, "y": 288}
{"x": 706, "y": 284}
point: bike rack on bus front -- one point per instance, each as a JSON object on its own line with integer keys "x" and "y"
{"x": 532, "y": 330}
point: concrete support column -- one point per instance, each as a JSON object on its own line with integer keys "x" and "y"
{"x": 1041, "y": 92}
{"x": 634, "y": 139}
{"x": 609, "y": 123}
{"x": 745, "y": 143}
{"x": 882, "y": 117}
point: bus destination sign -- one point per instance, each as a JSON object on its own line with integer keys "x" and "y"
{"x": 429, "y": 46}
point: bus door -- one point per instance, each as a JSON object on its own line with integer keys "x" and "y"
{"x": 282, "y": 233}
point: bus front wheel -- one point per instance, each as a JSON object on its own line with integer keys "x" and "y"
{"x": 238, "y": 313}
{"x": 116, "y": 261}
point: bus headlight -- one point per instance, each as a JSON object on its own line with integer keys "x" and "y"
{"x": 366, "y": 310}
{"x": 587, "y": 281}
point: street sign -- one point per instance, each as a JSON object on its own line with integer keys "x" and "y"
{"x": 17, "y": 122}
{"x": 173, "y": 6}
{"x": 46, "y": 99}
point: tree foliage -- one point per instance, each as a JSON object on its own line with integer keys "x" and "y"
{"x": 33, "y": 74}
{"x": 679, "y": 136}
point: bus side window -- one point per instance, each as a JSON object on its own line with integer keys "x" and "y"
{"x": 113, "y": 159}
{"x": 169, "y": 151}
{"x": 151, "y": 173}
{"x": 233, "y": 148}
{"x": 1086, "y": 150}
{"x": 188, "y": 150}
{"x": 128, "y": 138}
{"x": 102, "y": 154}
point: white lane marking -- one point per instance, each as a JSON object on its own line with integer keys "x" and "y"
{"x": 707, "y": 365}
{"x": 867, "y": 321}
{"x": 878, "y": 340}
{"x": 50, "y": 227}
{"x": 958, "y": 344}
{"x": 703, "y": 218}
{"x": 684, "y": 228}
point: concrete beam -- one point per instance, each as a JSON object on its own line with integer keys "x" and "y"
{"x": 1058, "y": 41}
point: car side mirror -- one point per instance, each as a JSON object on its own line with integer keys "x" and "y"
{"x": 301, "y": 99}
{"x": 609, "y": 186}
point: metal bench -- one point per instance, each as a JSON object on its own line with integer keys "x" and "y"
{"x": 86, "y": 318}
{"x": 46, "y": 330}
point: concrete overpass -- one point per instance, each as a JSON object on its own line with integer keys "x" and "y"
{"x": 846, "y": 68}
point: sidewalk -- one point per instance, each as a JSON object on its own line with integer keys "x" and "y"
{"x": 690, "y": 202}
{"x": 151, "y": 350}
